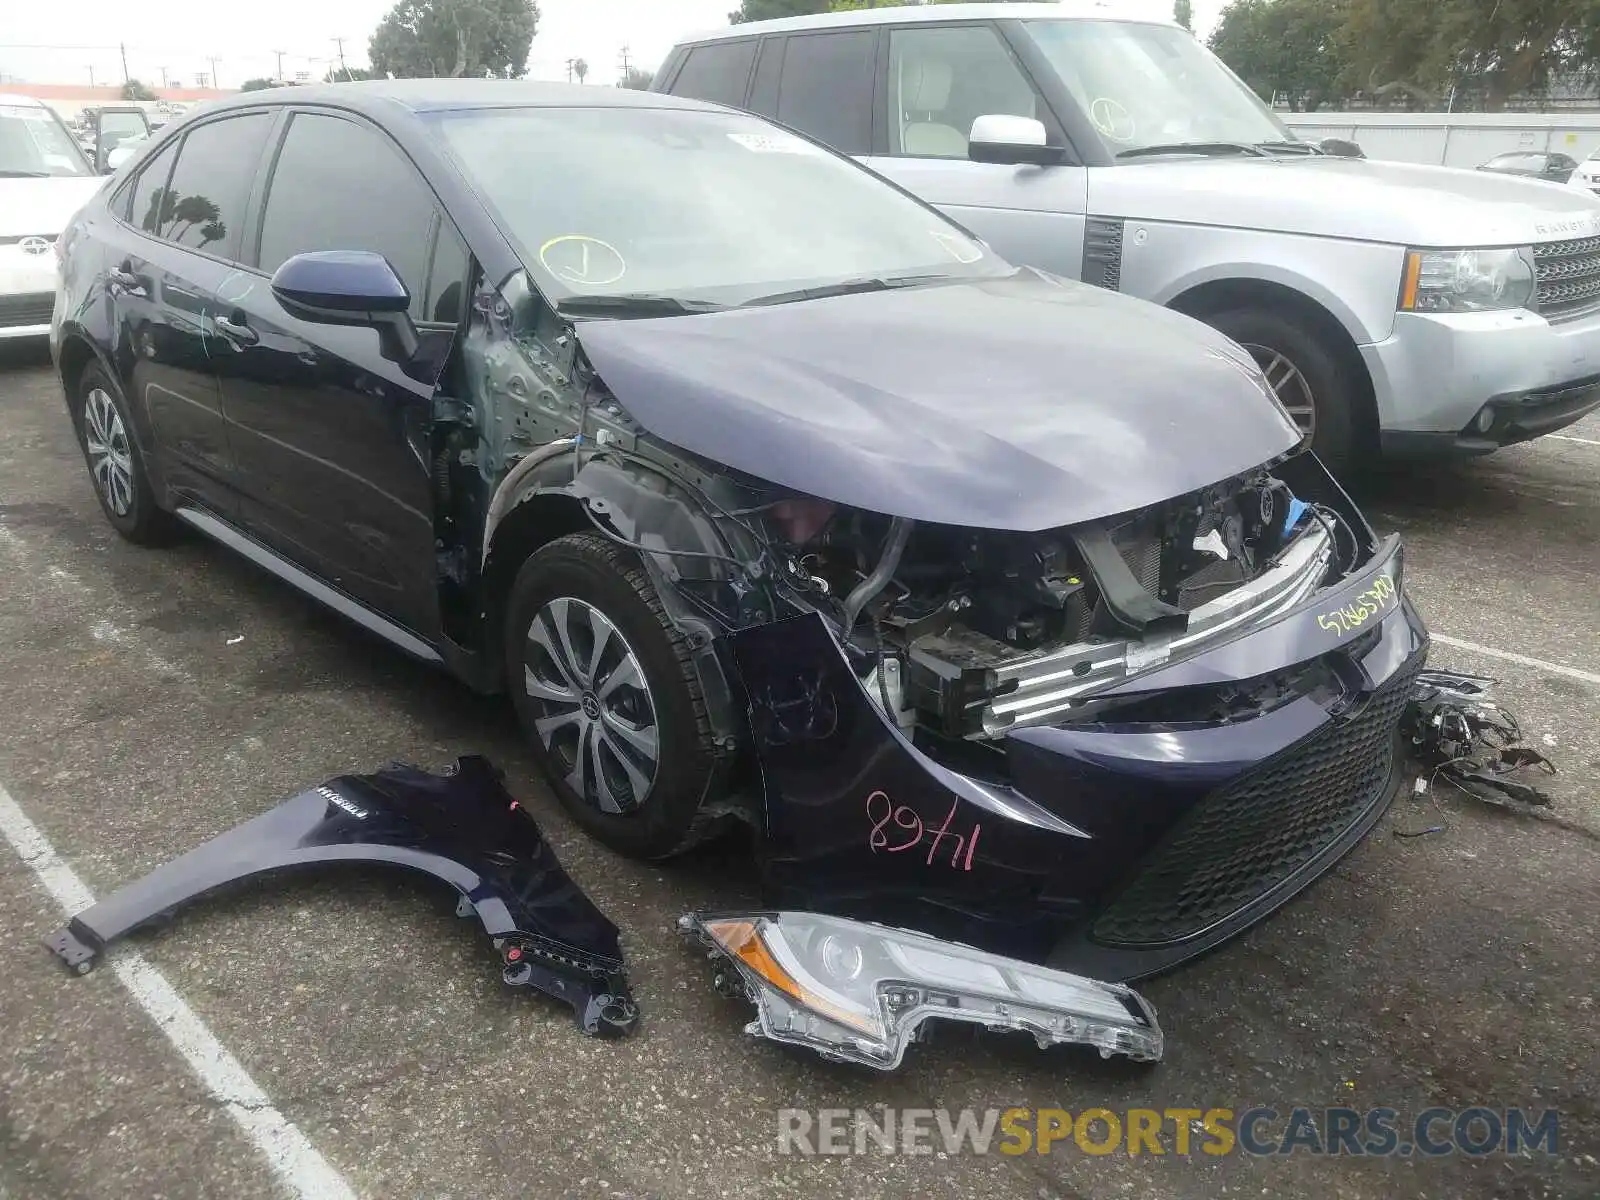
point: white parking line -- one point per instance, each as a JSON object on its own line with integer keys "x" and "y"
{"x": 1567, "y": 437}
{"x": 1522, "y": 659}
{"x": 293, "y": 1159}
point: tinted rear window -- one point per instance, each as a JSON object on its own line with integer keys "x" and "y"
{"x": 826, "y": 89}
{"x": 204, "y": 207}
{"x": 717, "y": 72}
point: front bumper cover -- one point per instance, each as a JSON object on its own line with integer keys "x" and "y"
{"x": 1111, "y": 849}
{"x": 462, "y": 828}
{"x": 1436, "y": 371}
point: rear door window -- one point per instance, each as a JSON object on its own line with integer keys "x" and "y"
{"x": 152, "y": 203}
{"x": 339, "y": 185}
{"x": 205, "y": 201}
{"x": 717, "y": 71}
{"x": 826, "y": 87}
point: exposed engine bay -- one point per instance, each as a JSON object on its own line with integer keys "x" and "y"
{"x": 967, "y": 633}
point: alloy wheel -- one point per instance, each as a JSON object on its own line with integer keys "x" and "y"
{"x": 1289, "y": 384}
{"x": 595, "y": 714}
{"x": 105, "y": 440}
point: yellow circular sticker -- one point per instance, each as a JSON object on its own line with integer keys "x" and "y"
{"x": 1111, "y": 119}
{"x": 583, "y": 261}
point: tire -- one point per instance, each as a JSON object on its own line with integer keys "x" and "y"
{"x": 570, "y": 716}
{"x": 1280, "y": 344}
{"x": 116, "y": 466}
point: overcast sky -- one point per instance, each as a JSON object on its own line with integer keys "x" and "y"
{"x": 39, "y": 44}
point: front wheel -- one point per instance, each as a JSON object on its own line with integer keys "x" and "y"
{"x": 606, "y": 688}
{"x": 1307, "y": 377}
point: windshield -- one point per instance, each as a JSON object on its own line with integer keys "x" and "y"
{"x": 33, "y": 142}
{"x": 1152, "y": 85}
{"x": 708, "y": 206}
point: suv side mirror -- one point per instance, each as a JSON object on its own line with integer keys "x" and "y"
{"x": 1341, "y": 148}
{"x": 349, "y": 287}
{"x": 1000, "y": 138}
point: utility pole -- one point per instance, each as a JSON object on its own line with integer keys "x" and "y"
{"x": 91, "y": 74}
{"x": 624, "y": 64}
{"x": 123, "y": 46}
{"x": 343, "y": 66}
{"x": 279, "y": 75}
{"x": 212, "y": 60}
{"x": 163, "y": 71}
{"x": 570, "y": 61}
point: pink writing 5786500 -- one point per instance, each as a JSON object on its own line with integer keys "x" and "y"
{"x": 899, "y": 827}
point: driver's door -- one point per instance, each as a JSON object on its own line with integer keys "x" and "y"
{"x": 934, "y": 81}
{"x": 330, "y": 439}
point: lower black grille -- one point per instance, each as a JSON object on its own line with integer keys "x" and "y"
{"x": 1243, "y": 840}
{"x": 32, "y": 309}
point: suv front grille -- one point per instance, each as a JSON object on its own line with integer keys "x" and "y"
{"x": 1245, "y": 839}
{"x": 1568, "y": 276}
{"x": 35, "y": 308}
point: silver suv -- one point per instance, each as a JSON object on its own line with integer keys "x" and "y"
{"x": 1409, "y": 309}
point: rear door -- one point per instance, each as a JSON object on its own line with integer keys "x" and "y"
{"x": 174, "y": 245}
{"x": 332, "y": 440}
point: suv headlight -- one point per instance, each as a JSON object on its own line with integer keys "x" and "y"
{"x": 856, "y": 992}
{"x": 1447, "y": 281}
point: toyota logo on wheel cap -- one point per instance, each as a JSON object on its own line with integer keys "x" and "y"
{"x": 35, "y": 245}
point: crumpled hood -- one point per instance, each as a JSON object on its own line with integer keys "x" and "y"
{"x": 1021, "y": 403}
{"x": 1362, "y": 199}
{"x": 42, "y": 207}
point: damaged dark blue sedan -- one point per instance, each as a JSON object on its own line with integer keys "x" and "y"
{"x": 1006, "y": 611}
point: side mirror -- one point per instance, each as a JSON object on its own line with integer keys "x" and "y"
{"x": 1341, "y": 148}
{"x": 999, "y": 138}
{"x": 349, "y": 287}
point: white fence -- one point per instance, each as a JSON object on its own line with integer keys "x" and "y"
{"x": 1452, "y": 139}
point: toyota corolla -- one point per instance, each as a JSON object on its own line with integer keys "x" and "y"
{"x": 1004, "y": 610}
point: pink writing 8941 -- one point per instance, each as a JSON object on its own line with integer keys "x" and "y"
{"x": 897, "y": 828}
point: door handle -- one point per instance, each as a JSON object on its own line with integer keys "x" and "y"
{"x": 126, "y": 283}
{"x": 236, "y": 332}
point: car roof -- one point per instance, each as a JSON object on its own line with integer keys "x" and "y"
{"x": 377, "y": 96}
{"x": 1085, "y": 10}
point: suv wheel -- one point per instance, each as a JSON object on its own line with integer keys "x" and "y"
{"x": 115, "y": 465}
{"x": 1309, "y": 380}
{"x": 607, "y": 691}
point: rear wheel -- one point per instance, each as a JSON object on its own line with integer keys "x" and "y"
{"x": 606, "y": 689}
{"x": 1307, "y": 377}
{"x": 115, "y": 465}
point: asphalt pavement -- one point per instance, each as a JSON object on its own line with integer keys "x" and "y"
{"x": 152, "y": 699}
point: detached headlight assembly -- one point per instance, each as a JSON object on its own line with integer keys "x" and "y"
{"x": 860, "y": 993}
{"x": 1452, "y": 281}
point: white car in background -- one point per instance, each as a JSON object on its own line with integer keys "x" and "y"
{"x": 44, "y": 179}
{"x": 1587, "y": 175}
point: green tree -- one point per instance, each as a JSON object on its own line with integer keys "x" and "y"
{"x": 1425, "y": 50}
{"x": 134, "y": 90}
{"x": 1285, "y": 47}
{"x": 854, "y": 5}
{"x": 257, "y": 85}
{"x": 345, "y": 74}
{"x": 1183, "y": 14}
{"x": 766, "y": 10}
{"x": 454, "y": 38}
{"x": 580, "y": 68}
{"x": 636, "y": 78}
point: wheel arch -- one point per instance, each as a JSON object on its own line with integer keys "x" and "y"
{"x": 1226, "y": 294}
